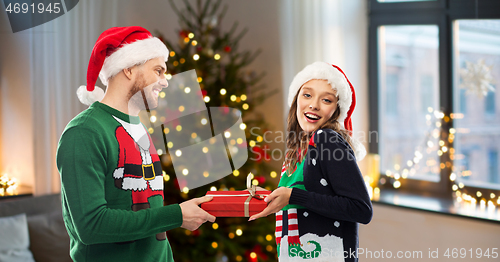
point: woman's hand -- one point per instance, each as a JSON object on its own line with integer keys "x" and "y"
{"x": 276, "y": 201}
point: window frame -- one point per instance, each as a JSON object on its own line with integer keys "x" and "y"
{"x": 441, "y": 13}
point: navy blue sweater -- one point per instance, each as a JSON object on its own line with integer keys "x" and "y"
{"x": 329, "y": 198}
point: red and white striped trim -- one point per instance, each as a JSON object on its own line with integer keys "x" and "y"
{"x": 293, "y": 227}
{"x": 283, "y": 169}
{"x": 279, "y": 226}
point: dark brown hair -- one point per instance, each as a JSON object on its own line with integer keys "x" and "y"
{"x": 297, "y": 139}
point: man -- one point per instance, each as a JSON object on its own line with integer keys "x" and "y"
{"x": 112, "y": 183}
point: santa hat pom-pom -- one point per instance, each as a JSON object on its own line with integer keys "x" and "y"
{"x": 358, "y": 148}
{"x": 89, "y": 97}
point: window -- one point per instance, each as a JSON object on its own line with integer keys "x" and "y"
{"x": 427, "y": 93}
{"x": 394, "y": 1}
{"x": 477, "y": 48}
{"x": 493, "y": 175}
{"x": 462, "y": 101}
{"x": 409, "y": 67}
{"x": 489, "y": 103}
{"x": 391, "y": 101}
{"x": 432, "y": 70}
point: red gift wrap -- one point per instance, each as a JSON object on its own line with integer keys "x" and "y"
{"x": 235, "y": 203}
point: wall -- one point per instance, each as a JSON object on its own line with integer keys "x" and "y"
{"x": 394, "y": 229}
{"x": 16, "y": 139}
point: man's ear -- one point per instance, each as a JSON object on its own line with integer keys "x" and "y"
{"x": 128, "y": 72}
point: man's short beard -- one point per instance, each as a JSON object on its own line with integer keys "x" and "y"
{"x": 134, "y": 95}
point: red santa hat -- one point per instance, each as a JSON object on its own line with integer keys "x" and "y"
{"x": 116, "y": 49}
{"x": 345, "y": 93}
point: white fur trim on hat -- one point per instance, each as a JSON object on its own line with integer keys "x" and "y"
{"x": 87, "y": 97}
{"x": 324, "y": 71}
{"x": 132, "y": 54}
{"x": 358, "y": 148}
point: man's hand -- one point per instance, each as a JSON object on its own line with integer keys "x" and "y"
{"x": 192, "y": 215}
{"x": 277, "y": 200}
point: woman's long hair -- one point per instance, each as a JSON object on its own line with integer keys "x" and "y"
{"x": 297, "y": 139}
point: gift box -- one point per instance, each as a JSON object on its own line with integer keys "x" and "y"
{"x": 235, "y": 203}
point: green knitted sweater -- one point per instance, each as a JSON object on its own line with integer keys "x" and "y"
{"x": 112, "y": 189}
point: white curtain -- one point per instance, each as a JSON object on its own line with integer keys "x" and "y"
{"x": 60, "y": 52}
{"x": 334, "y": 31}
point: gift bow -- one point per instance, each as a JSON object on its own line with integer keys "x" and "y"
{"x": 252, "y": 190}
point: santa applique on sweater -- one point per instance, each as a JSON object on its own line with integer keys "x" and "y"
{"x": 139, "y": 168}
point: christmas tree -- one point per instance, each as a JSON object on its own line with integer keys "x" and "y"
{"x": 225, "y": 82}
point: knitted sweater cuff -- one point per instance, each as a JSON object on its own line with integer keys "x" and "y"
{"x": 298, "y": 197}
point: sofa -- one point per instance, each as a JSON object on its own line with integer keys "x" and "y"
{"x": 32, "y": 229}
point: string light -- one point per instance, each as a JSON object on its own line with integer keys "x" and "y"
{"x": 245, "y": 106}
{"x": 236, "y": 173}
{"x": 206, "y": 99}
{"x": 190, "y": 35}
{"x": 243, "y": 126}
{"x": 223, "y": 91}
{"x": 178, "y": 152}
{"x": 194, "y": 42}
{"x": 273, "y": 174}
{"x": 216, "y": 56}
{"x": 8, "y": 186}
{"x": 196, "y": 57}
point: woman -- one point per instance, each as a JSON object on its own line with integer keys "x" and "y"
{"x": 321, "y": 196}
